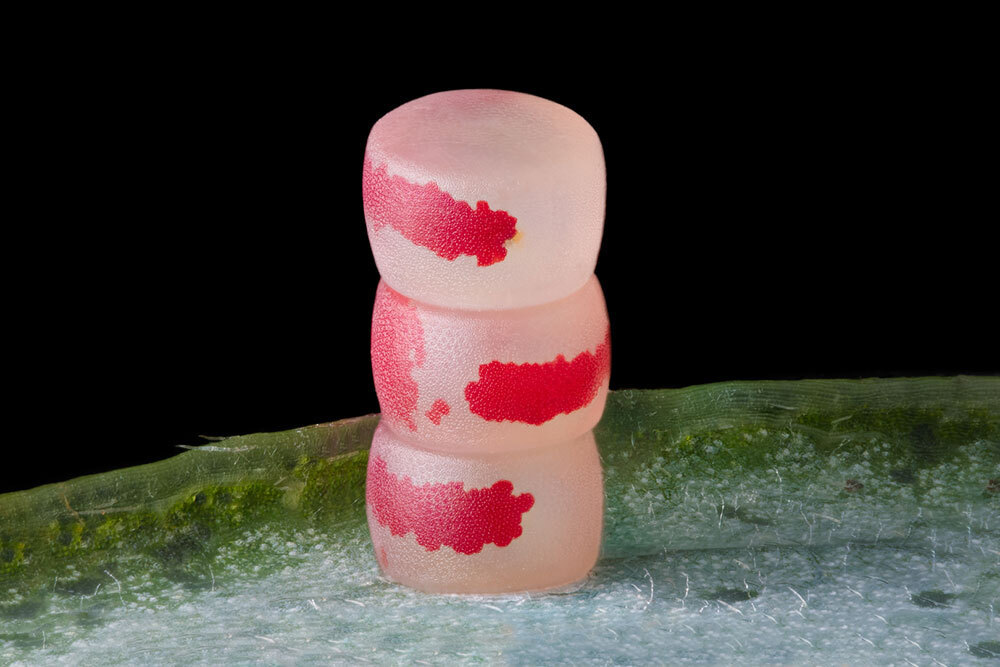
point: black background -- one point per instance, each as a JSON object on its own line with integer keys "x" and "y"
{"x": 199, "y": 262}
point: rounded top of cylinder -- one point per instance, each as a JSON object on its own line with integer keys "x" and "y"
{"x": 484, "y": 199}
{"x": 479, "y": 131}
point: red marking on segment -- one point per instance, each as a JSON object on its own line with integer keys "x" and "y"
{"x": 535, "y": 393}
{"x": 397, "y": 348}
{"x": 432, "y": 218}
{"x": 444, "y": 514}
{"x": 438, "y": 410}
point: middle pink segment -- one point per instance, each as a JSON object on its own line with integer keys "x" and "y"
{"x": 491, "y": 380}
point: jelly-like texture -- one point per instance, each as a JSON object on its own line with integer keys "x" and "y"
{"x": 484, "y": 199}
{"x": 484, "y": 523}
{"x": 463, "y": 381}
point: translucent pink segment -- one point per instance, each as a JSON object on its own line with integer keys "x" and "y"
{"x": 485, "y": 523}
{"x": 484, "y": 199}
{"x": 483, "y": 381}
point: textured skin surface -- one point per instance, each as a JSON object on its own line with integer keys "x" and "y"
{"x": 534, "y": 393}
{"x": 436, "y": 501}
{"x": 481, "y": 381}
{"x": 397, "y": 350}
{"x": 484, "y": 199}
{"x": 445, "y": 513}
{"x": 433, "y": 219}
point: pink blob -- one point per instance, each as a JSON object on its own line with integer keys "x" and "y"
{"x": 445, "y": 514}
{"x": 397, "y": 348}
{"x": 432, "y": 218}
{"x": 535, "y": 393}
{"x": 437, "y": 411}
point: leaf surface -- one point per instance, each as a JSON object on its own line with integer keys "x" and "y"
{"x": 791, "y": 522}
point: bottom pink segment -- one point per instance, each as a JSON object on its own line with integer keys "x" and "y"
{"x": 491, "y": 523}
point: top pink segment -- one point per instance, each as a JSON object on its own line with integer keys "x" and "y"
{"x": 484, "y": 199}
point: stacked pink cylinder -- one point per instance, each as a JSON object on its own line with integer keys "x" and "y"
{"x": 490, "y": 342}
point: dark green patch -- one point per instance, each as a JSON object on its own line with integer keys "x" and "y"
{"x": 86, "y": 585}
{"x": 924, "y": 444}
{"x": 744, "y": 515}
{"x": 226, "y": 506}
{"x": 184, "y": 543}
{"x": 189, "y": 576}
{"x": 903, "y": 475}
{"x": 732, "y": 595}
{"x": 932, "y": 599}
{"x": 929, "y": 430}
{"x": 92, "y": 617}
{"x": 986, "y": 650}
{"x": 331, "y": 485}
{"x": 126, "y": 531}
{"x": 12, "y": 556}
{"x": 28, "y": 608}
{"x": 66, "y": 537}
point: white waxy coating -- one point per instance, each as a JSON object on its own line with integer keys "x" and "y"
{"x": 538, "y": 161}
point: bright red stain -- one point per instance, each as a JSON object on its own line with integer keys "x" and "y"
{"x": 397, "y": 348}
{"x": 535, "y": 393}
{"x": 443, "y": 514}
{"x": 438, "y": 410}
{"x": 432, "y": 218}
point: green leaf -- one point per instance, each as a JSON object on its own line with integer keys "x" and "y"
{"x": 779, "y": 521}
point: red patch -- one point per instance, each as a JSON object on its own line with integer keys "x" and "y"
{"x": 432, "y": 218}
{"x": 438, "y": 410}
{"x": 535, "y": 393}
{"x": 444, "y": 514}
{"x": 397, "y": 348}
